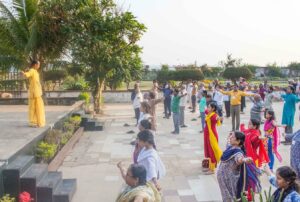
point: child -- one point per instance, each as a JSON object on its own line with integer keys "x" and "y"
{"x": 231, "y": 175}
{"x": 285, "y": 182}
{"x": 254, "y": 144}
{"x": 144, "y": 125}
{"x": 175, "y": 110}
{"x": 145, "y": 111}
{"x": 202, "y": 107}
{"x": 212, "y": 150}
{"x": 273, "y": 138}
{"x": 149, "y": 158}
{"x": 257, "y": 108}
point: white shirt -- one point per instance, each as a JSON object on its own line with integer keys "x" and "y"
{"x": 183, "y": 100}
{"x": 218, "y": 97}
{"x": 137, "y": 100}
{"x": 189, "y": 88}
{"x": 151, "y": 161}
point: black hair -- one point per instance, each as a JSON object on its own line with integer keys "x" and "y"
{"x": 34, "y": 62}
{"x": 292, "y": 89}
{"x": 289, "y": 175}
{"x": 152, "y": 95}
{"x": 146, "y": 136}
{"x": 241, "y": 137}
{"x": 176, "y": 90}
{"x": 139, "y": 171}
{"x": 271, "y": 88}
{"x": 213, "y": 106}
{"x": 272, "y": 113}
{"x": 256, "y": 123}
{"x": 146, "y": 107}
{"x": 208, "y": 95}
{"x": 146, "y": 124}
{"x": 204, "y": 93}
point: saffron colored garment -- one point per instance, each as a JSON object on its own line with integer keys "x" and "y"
{"x": 35, "y": 101}
{"x": 148, "y": 192}
{"x": 212, "y": 149}
{"x": 255, "y": 146}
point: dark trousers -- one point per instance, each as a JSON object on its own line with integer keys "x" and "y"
{"x": 194, "y": 102}
{"x": 243, "y": 103}
{"x": 137, "y": 114}
{"x": 167, "y": 106}
{"x": 227, "y": 108}
{"x": 289, "y": 134}
{"x": 235, "y": 116}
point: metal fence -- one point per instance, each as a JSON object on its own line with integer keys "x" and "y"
{"x": 12, "y": 81}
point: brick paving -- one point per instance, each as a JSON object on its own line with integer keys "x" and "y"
{"x": 93, "y": 160}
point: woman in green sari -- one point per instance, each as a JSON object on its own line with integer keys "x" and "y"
{"x": 137, "y": 189}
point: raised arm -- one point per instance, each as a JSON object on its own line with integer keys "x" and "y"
{"x": 225, "y": 92}
{"x": 27, "y": 74}
{"x": 247, "y": 94}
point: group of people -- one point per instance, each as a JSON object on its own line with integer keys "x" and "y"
{"x": 250, "y": 151}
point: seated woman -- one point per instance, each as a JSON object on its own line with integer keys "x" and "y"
{"x": 137, "y": 189}
{"x": 285, "y": 181}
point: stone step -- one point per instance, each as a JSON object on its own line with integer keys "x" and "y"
{"x": 65, "y": 191}
{"x": 12, "y": 172}
{"x": 32, "y": 177}
{"x": 47, "y": 185}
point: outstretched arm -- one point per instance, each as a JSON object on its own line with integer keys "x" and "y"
{"x": 225, "y": 92}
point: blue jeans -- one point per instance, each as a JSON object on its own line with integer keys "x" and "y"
{"x": 270, "y": 153}
{"x": 176, "y": 120}
{"x": 202, "y": 115}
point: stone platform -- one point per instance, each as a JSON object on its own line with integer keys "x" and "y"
{"x": 16, "y": 136}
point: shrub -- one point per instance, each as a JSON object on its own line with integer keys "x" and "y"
{"x": 45, "y": 151}
{"x": 7, "y": 198}
{"x": 186, "y": 74}
{"x": 85, "y": 96}
{"x": 75, "y": 83}
{"x": 53, "y": 137}
{"x": 234, "y": 73}
{"x": 55, "y": 75}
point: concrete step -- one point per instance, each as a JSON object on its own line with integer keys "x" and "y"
{"x": 32, "y": 177}
{"x": 12, "y": 172}
{"x": 47, "y": 186}
{"x": 65, "y": 191}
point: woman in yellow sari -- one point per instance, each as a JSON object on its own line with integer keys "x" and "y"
{"x": 137, "y": 189}
{"x": 35, "y": 101}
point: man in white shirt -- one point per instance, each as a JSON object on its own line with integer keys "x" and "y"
{"x": 189, "y": 93}
{"x": 182, "y": 105}
{"x": 218, "y": 98}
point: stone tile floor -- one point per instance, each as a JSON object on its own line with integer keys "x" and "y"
{"x": 93, "y": 160}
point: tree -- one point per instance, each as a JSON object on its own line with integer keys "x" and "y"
{"x": 186, "y": 74}
{"x": 33, "y": 29}
{"x": 231, "y": 62}
{"x": 251, "y": 67}
{"x": 105, "y": 41}
{"x": 165, "y": 67}
{"x": 234, "y": 73}
{"x": 294, "y": 66}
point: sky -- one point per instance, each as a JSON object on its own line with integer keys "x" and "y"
{"x": 185, "y": 31}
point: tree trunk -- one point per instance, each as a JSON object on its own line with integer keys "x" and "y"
{"x": 42, "y": 80}
{"x": 98, "y": 95}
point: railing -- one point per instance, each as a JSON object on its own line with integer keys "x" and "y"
{"x": 12, "y": 81}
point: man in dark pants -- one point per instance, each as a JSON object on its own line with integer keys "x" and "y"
{"x": 194, "y": 96}
{"x": 167, "y": 102}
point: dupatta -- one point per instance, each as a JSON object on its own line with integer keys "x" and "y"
{"x": 273, "y": 131}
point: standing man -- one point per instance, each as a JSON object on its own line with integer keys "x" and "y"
{"x": 175, "y": 111}
{"x": 167, "y": 101}
{"x": 194, "y": 96}
{"x": 35, "y": 101}
{"x": 235, "y": 105}
{"x": 218, "y": 98}
{"x": 182, "y": 105}
{"x": 189, "y": 89}
{"x": 226, "y": 99}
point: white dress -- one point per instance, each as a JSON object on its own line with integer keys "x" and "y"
{"x": 150, "y": 159}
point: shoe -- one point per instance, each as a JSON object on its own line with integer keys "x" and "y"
{"x": 126, "y": 125}
{"x": 193, "y": 111}
{"x": 183, "y": 126}
{"x": 133, "y": 142}
{"x": 201, "y": 131}
{"x": 174, "y": 133}
{"x": 190, "y": 107}
{"x": 130, "y": 132}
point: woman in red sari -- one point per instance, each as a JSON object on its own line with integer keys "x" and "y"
{"x": 212, "y": 150}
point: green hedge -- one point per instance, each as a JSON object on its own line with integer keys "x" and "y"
{"x": 180, "y": 75}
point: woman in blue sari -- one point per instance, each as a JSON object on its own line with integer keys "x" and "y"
{"x": 236, "y": 173}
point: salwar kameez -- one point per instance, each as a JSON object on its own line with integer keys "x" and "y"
{"x": 36, "y": 105}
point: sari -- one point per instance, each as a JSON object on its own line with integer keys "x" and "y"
{"x": 254, "y": 146}
{"x": 273, "y": 133}
{"x": 148, "y": 192}
{"x": 212, "y": 149}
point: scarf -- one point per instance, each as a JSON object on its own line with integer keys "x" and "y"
{"x": 272, "y": 130}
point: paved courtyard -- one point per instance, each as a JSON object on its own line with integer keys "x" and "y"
{"x": 93, "y": 160}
